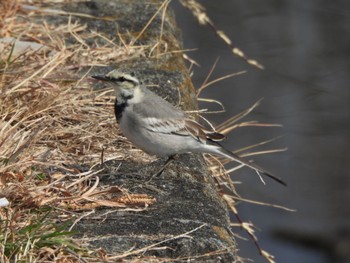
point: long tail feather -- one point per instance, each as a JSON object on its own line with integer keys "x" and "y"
{"x": 219, "y": 150}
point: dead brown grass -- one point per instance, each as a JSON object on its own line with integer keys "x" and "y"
{"x": 51, "y": 118}
{"x": 224, "y": 177}
{"x": 202, "y": 17}
{"x": 9, "y": 10}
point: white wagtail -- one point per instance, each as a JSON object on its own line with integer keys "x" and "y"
{"x": 158, "y": 128}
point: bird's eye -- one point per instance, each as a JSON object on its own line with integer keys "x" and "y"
{"x": 122, "y": 79}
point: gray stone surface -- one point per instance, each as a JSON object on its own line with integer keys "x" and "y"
{"x": 186, "y": 200}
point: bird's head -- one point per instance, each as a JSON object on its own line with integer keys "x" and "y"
{"x": 123, "y": 83}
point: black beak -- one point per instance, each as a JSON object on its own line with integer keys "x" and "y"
{"x": 104, "y": 78}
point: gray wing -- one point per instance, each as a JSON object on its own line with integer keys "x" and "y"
{"x": 154, "y": 106}
{"x": 182, "y": 127}
{"x": 160, "y": 116}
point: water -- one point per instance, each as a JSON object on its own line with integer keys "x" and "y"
{"x": 305, "y": 47}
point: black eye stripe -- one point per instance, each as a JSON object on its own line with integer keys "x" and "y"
{"x": 122, "y": 79}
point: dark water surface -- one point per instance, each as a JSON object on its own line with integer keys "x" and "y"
{"x": 305, "y": 47}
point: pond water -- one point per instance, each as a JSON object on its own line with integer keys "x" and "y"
{"x": 305, "y": 47}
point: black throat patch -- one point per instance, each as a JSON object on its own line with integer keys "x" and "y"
{"x": 119, "y": 107}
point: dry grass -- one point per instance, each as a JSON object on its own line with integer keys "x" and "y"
{"x": 225, "y": 183}
{"x": 50, "y": 121}
{"x": 202, "y": 17}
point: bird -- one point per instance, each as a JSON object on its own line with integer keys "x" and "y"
{"x": 159, "y": 128}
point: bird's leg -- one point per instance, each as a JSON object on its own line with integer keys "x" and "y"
{"x": 167, "y": 162}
